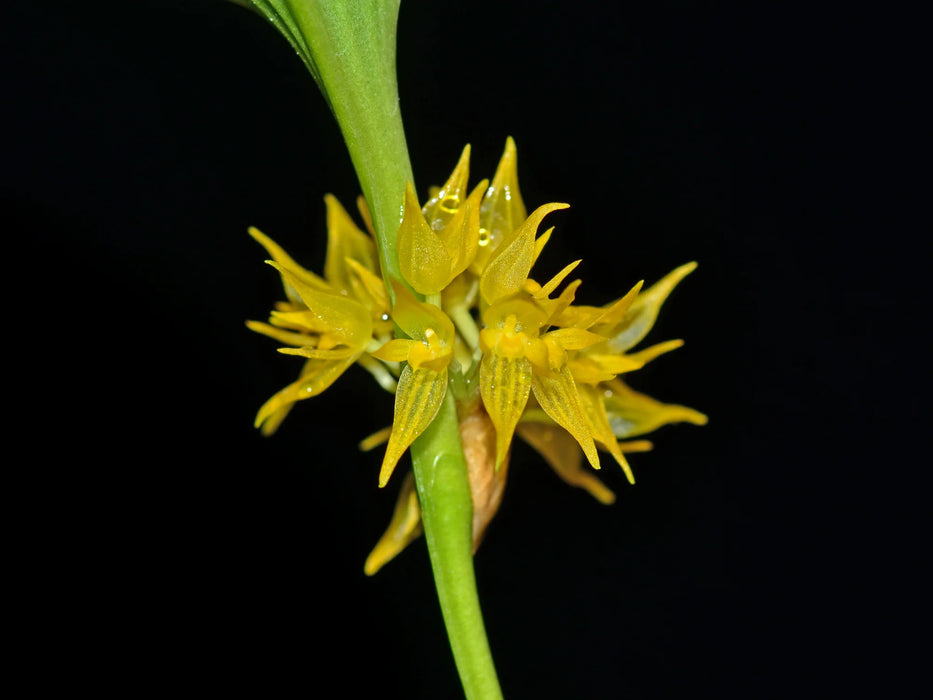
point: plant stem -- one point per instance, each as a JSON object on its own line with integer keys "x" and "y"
{"x": 349, "y": 47}
{"x": 447, "y": 514}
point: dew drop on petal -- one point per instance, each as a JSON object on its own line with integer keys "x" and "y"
{"x": 450, "y": 203}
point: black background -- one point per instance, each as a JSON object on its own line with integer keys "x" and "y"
{"x": 167, "y": 545}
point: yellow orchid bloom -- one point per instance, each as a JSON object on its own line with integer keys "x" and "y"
{"x": 329, "y": 321}
{"x": 529, "y": 360}
{"x": 613, "y": 410}
{"x": 422, "y": 384}
{"x": 518, "y": 359}
{"x": 330, "y": 330}
{"x": 430, "y": 258}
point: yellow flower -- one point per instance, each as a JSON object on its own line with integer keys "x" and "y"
{"x": 329, "y": 321}
{"x": 613, "y": 410}
{"x": 438, "y": 242}
{"x": 519, "y": 357}
{"x": 423, "y": 382}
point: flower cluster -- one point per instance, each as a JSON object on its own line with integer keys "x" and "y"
{"x": 520, "y": 356}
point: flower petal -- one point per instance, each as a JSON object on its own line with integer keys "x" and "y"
{"x": 404, "y": 527}
{"x": 563, "y": 454}
{"x": 644, "y": 310}
{"x": 348, "y": 319}
{"x": 370, "y": 288}
{"x": 504, "y": 384}
{"x": 416, "y": 317}
{"x": 461, "y": 234}
{"x": 444, "y": 204}
{"x": 648, "y": 354}
{"x": 313, "y": 353}
{"x": 423, "y": 259}
{"x": 508, "y": 268}
{"x": 593, "y": 368}
{"x": 282, "y": 258}
{"x": 316, "y": 376}
{"x": 613, "y": 313}
{"x": 632, "y": 413}
{"x": 345, "y": 242}
{"x": 418, "y": 397}
{"x": 557, "y": 395}
{"x": 595, "y": 411}
{"x": 502, "y": 210}
{"x": 575, "y": 338}
{"x": 283, "y": 336}
{"x": 394, "y": 351}
{"x": 555, "y": 281}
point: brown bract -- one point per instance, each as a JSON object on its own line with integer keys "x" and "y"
{"x": 478, "y": 435}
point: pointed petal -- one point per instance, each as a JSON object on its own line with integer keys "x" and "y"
{"x": 504, "y": 384}
{"x": 648, "y": 354}
{"x": 592, "y": 401}
{"x": 575, "y": 338}
{"x": 502, "y": 210}
{"x": 442, "y": 206}
{"x": 380, "y": 437}
{"x": 461, "y": 234}
{"x": 423, "y": 259}
{"x": 283, "y": 336}
{"x": 417, "y": 400}
{"x": 578, "y": 316}
{"x": 282, "y": 258}
{"x": 303, "y": 321}
{"x": 616, "y": 311}
{"x": 557, "y": 395}
{"x": 370, "y": 288}
{"x": 553, "y": 283}
{"x": 632, "y": 413}
{"x": 563, "y": 454}
{"x": 394, "y": 351}
{"x": 415, "y": 317}
{"x": 593, "y": 366}
{"x": 348, "y": 319}
{"x": 313, "y": 353}
{"x": 273, "y": 420}
{"x": 508, "y": 268}
{"x": 345, "y": 240}
{"x": 540, "y": 242}
{"x": 316, "y": 377}
{"x": 404, "y": 527}
{"x": 556, "y": 307}
{"x": 644, "y": 310}
{"x": 636, "y": 446}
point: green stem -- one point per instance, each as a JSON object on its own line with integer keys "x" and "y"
{"x": 447, "y": 515}
{"x": 349, "y": 47}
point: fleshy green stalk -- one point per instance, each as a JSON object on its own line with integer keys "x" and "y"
{"x": 447, "y": 515}
{"x": 349, "y": 47}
